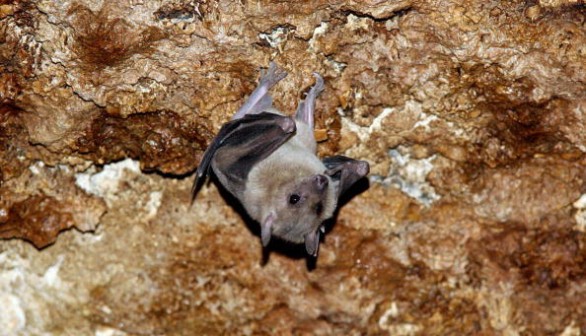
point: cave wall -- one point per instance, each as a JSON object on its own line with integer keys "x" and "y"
{"x": 472, "y": 115}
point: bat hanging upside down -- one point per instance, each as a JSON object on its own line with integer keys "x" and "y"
{"x": 268, "y": 162}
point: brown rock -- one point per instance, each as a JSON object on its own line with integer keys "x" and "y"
{"x": 472, "y": 115}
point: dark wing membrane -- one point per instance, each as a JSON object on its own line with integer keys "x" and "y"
{"x": 345, "y": 170}
{"x": 204, "y": 166}
{"x": 239, "y": 145}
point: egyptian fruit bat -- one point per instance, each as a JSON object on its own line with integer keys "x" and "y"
{"x": 268, "y": 162}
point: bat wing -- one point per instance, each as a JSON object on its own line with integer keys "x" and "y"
{"x": 345, "y": 170}
{"x": 239, "y": 145}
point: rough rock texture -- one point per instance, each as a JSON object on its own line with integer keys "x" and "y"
{"x": 472, "y": 114}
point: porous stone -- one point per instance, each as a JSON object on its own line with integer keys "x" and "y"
{"x": 471, "y": 114}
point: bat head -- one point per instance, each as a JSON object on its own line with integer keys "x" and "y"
{"x": 299, "y": 202}
{"x": 299, "y": 207}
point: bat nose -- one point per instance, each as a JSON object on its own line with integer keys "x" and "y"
{"x": 320, "y": 181}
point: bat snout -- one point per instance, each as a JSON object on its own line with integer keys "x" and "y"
{"x": 320, "y": 182}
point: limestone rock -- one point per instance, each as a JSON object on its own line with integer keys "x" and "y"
{"x": 471, "y": 113}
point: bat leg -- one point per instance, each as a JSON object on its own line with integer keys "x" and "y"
{"x": 307, "y": 107}
{"x": 260, "y": 100}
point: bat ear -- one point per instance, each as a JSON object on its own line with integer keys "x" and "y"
{"x": 266, "y": 229}
{"x": 345, "y": 170}
{"x": 312, "y": 243}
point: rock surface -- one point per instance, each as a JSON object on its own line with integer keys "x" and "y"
{"x": 472, "y": 114}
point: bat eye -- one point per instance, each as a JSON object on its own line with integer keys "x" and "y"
{"x": 293, "y": 199}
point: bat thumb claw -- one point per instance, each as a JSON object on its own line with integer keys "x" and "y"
{"x": 362, "y": 168}
{"x": 287, "y": 125}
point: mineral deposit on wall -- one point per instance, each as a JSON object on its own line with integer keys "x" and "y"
{"x": 472, "y": 114}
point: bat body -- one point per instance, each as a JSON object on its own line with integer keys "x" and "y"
{"x": 268, "y": 162}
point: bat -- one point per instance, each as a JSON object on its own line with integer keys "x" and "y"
{"x": 268, "y": 162}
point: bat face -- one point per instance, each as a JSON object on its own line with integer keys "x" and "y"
{"x": 300, "y": 207}
{"x": 268, "y": 162}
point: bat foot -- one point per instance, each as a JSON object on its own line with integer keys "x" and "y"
{"x": 318, "y": 87}
{"x": 272, "y": 76}
{"x": 306, "y": 108}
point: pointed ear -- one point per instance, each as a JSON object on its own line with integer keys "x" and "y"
{"x": 345, "y": 170}
{"x": 312, "y": 243}
{"x": 266, "y": 229}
